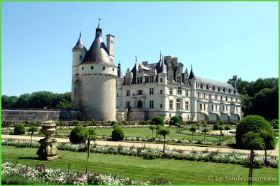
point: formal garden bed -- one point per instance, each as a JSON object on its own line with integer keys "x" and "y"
{"x": 150, "y": 153}
{"x": 20, "y": 174}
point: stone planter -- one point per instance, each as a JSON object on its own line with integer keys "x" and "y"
{"x": 47, "y": 149}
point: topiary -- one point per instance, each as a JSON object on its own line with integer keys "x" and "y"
{"x": 256, "y": 124}
{"x": 78, "y": 135}
{"x": 175, "y": 120}
{"x": 274, "y": 123}
{"x": 215, "y": 127}
{"x": 19, "y": 129}
{"x": 117, "y": 134}
{"x": 157, "y": 120}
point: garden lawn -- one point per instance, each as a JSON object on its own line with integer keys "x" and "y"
{"x": 146, "y": 132}
{"x": 137, "y": 168}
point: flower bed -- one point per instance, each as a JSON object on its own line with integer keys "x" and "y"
{"x": 150, "y": 153}
{"x": 41, "y": 174}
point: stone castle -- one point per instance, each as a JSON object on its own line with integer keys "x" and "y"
{"x": 163, "y": 88}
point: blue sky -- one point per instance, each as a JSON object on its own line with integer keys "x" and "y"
{"x": 218, "y": 39}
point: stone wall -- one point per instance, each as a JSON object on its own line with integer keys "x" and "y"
{"x": 39, "y": 115}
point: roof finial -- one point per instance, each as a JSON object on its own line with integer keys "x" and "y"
{"x": 135, "y": 59}
{"x": 99, "y": 21}
{"x": 160, "y": 54}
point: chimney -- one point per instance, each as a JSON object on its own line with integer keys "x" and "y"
{"x": 110, "y": 44}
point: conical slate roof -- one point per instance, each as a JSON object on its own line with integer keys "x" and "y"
{"x": 79, "y": 44}
{"x": 192, "y": 76}
{"x": 98, "y": 52}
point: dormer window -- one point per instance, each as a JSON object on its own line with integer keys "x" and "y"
{"x": 91, "y": 67}
{"x": 103, "y": 67}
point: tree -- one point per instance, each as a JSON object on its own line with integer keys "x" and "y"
{"x": 90, "y": 136}
{"x": 204, "y": 131}
{"x": 253, "y": 141}
{"x": 254, "y": 123}
{"x": 163, "y": 132}
{"x": 152, "y": 128}
{"x": 157, "y": 120}
{"x": 157, "y": 127}
{"x": 221, "y": 128}
{"x": 267, "y": 138}
{"x": 193, "y": 129}
{"x": 32, "y": 128}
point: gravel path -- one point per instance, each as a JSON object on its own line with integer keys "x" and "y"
{"x": 152, "y": 145}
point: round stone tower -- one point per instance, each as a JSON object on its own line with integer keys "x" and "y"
{"x": 97, "y": 75}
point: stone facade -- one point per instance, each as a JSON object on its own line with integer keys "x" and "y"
{"x": 164, "y": 89}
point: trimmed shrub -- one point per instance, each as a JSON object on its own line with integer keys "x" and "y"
{"x": 175, "y": 120}
{"x": 274, "y": 123}
{"x": 19, "y": 129}
{"x": 78, "y": 135}
{"x": 215, "y": 127}
{"x": 157, "y": 120}
{"x": 256, "y": 124}
{"x": 117, "y": 134}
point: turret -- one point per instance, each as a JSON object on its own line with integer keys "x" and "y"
{"x": 78, "y": 53}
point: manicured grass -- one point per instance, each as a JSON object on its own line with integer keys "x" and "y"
{"x": 137, "y": 168}
{"x": 146, "y": 132}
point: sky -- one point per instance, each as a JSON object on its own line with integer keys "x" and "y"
{"x": 218, "y": 39}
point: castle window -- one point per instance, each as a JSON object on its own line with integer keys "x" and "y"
{"x": 103, "y": 67}
{"x": 113, "y": 69}
{"x": 226, "y": 98}
{"x": 212, "y": 107}
{"x": 151, "y": 91}
{"x": 216, "y": 97}
{"x": 223, "y": 108}
{"x": 231, "y": 99}
{"x": 187, "y": 93}
{"x": 216, "y": 107}
{"x": 186, "y": 105}
{"x": 140, "y": 104}
{"x": 200, "y": 106}
{"x": 204, "y": 96}
{"x": 81, "y": 57}
{"x": 179, "y": 90}
{"x": 91, "y": 67}
{"x": 128, "y": 93}
{"x": 139, "y": 80}
{"x": 160, "y": 105}
{"x": 178, "y": 105}
{"x": 178, "y": 79}
{"x": 221, "y": 98}
{"x": 171, "y": 91}
{"x": 204, "y": 107}
{"x": 151, "y": 79}
{"x": 82, "y": 68}
{"x": 161, "y": 80}
{"x": 170, "y": 104}
{"x": 210, "y": 97}
{"x": 151, "y": 104}
{"x": 160, "y": 91}
{"x": 139, "y": 92}
{"x": 198, "y": 94}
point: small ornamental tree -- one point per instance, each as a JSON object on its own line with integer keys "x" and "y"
{"x": 204, "y": 131}
{"x": 227, "y": 128}
{"x": 19, "y": 129}
{"x": 117, "y": 134}
{"x": 215, "y": 127}
{"x": 221, "y": 128}
{"x": 163, "y": 132}
{"x": 157, "y": 120}
{"x": 152, "y": 128}
{"x": 266, "y": 139}
{"x": 90, "y": 136}
{"x": 78, "y": 135}
{"x": 254, "y": 123}
{"x": 32, "y": 128}
{"x": 157, "y": 127}
{"x": 193, "y": 129}
{"x": 253, "y": 141}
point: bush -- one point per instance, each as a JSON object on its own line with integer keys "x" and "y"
{"x": 78, "y": 135}
{"x": 157, "y": 120}
{"x": 175, "y": 120}
{"x": 227, "y": 127}
{"x": 274, "y": 123}
{"x": 19, "y": 129}
{"x": 215, "y": 127}
{"x": 256, "y": 124}
{"x": 117, "y": 134}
